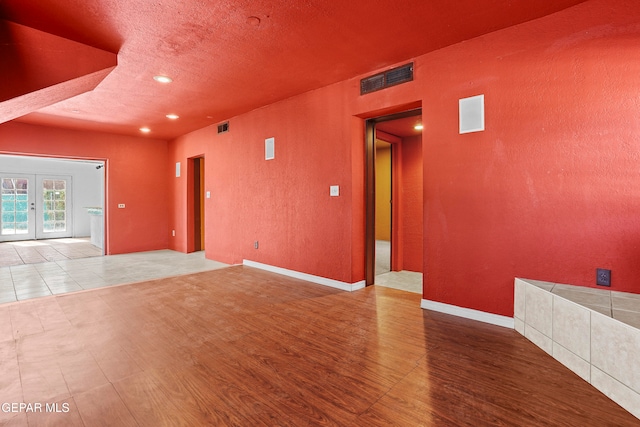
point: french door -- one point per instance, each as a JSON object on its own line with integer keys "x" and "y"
{"x": 35, "y": 207}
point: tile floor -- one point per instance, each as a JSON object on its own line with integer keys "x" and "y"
{"x": 622, "y": 306}
{"x": 403, "y": 280}
{"x": 38, "y": 251}
{"x": 38, "y": 268}
{"x": 26, "y": 281}
{"x": 383, "y": 256}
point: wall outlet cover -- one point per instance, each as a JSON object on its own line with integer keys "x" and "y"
{"x": 603, "y": 277}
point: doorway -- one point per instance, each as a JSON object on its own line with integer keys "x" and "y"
{"x": 195, "y": 241}
{"x": 394, "y": 237}
{"x": 35, "y": 207}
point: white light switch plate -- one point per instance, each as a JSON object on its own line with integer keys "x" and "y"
{"x": 208, "y": 194}
{"x": 334, "y": 190}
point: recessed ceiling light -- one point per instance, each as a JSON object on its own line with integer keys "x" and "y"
{"x": 418, "y": 127}
{"x": 162, "y": 79}
{"x": 173, "y": 116}
{"x": 145, "y": 130}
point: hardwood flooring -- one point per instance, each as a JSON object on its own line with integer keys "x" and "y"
{"x": 244, "y": 347}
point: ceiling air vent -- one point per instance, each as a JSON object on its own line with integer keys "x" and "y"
{"x": 223, "y": 127}
{"x": 389, "y": 78}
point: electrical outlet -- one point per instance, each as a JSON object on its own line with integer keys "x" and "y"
{"x": 120, "y": 205}
{"x": 255, "y": 244}
{"x": 603, "y": 277}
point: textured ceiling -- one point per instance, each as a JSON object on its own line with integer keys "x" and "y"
{"x": 225, "y": 57}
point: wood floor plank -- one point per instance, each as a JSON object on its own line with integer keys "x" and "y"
{"x": 24, "y": 319}
{"x": 63, "y": 413}
{"x": 239, "y": 346}
{"x": 14, "y": 420}
{"x": 50, "y": 314}
{"x": 148, "y": 403}
{"x": 102, "y": 406}
{"x": 6, "y": 331}
{"x": 81, "y": 372}
{"x": 10, "y": 385}
{"x": 262, "y": 395}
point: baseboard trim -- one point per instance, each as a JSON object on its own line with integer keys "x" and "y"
{"x": 469, "y": 313}
{"x": 304, "y": 276}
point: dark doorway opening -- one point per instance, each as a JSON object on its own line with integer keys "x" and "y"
{"x": 196, "y": 205}
{"x": 388, "y": 198}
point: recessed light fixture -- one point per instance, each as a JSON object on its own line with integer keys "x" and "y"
{"x": 418, "y": 127}
{"x": 162, "y": 79}
{"x": 145, "y": 130}
{"x": 172, "y": 116}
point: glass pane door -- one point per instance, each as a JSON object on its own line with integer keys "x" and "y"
{"x": 35, "y": 207}
{"x": 54, "y": 211}
{"x": 54, "y": 193}
{"x": 17, "y": 211}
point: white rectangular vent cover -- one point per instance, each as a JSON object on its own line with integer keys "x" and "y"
{"x": 471, "y": 114}
{"x": 269, "y": 148}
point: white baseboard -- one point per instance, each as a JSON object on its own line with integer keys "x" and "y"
{"x": 308, "y": 277}
{"x": 469, "y": 313}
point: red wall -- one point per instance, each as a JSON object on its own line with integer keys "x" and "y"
{"x": 548, "y": 191}
{"x": 412, "y": 215}
{"x": 136, "y": 176}
{"x": 284, "y": 203}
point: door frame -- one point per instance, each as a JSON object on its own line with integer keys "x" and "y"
{"x": 195, "y": 204}
{"x": 100, "y": 163}
{"x": 370, "y": 192}
{"x": 35, "y": 200}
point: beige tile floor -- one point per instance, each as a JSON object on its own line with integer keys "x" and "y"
{"x": 403, "y": 280}
{"x": 33, "y": 269}
{"x": 622, "y": 306}
{"x": 38, "y": 251}
{"x": 26, "y": 281}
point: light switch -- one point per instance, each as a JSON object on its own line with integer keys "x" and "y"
{"x": 208, "y": 194}
{"x": 334, "y": 190}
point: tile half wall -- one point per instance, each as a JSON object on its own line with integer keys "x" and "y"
{"x": 603, "y": 351}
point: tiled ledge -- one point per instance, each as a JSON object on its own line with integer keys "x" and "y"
{"x": 573, "y": 325}
{"x": 622, "y": 306}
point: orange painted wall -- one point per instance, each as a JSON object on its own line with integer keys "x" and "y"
{"x": 412, "y": 203}
{"x": 383, "y": 192}
{"x": 284, "y": 203}
{"x": 548, "y": 191}
{"x": 136, "y": 176}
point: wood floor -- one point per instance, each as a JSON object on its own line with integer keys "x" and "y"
{"x": 240, "y": 346}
